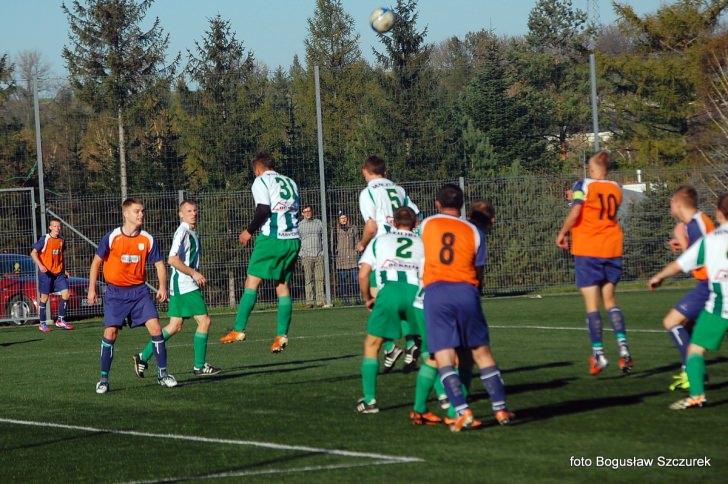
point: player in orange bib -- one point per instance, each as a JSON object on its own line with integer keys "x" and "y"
{"x": 125, "y": 253}
{"x": 596, "y": 243}
{"x": 453, "y": 316}
{"x": 47, "y": 254}
{"x": 693, "y": 225}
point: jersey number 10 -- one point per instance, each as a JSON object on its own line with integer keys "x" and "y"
{"x": 611, "y": 207}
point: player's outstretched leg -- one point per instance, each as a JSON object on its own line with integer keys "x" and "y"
{"x": 426, "y": 377}
{"x": 597, "y": 361}
{"x": 369, "y": 370}
{"x": 285, "y": 310}
{"x": 616, "y": 319}
{"x": 247, "y": 303}
{"x": 695, "y": 368}
{"x": 681, "y": 338}
{"x": 61, "y": 318}
{"x": 107, "y": 355}
{"x": 456, "y": 395}
{"x": 141, "y": 360}
{"x": 493, "y": 383}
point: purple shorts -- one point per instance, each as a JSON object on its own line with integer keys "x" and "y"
{"x": 693, "y": 302}
{"x": 454, "y": 317}
{"x": 596, "y": 271}
{"x": 49, "y": 283}
{"x": 132, "y": 305}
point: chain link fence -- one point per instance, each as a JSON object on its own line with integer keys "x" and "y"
{"x": 522, "y": 256}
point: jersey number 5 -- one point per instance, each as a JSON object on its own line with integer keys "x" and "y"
{"x": 394, "y": 198}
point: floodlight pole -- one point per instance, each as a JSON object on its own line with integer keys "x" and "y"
{"x": 594, "y": 105}
{"x": 39, "y": 155}
{"x": 322, "y": 187}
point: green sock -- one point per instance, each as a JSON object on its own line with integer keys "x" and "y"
{"x": 369, "y": 370}
{"x": 388, "y": 345}
{"x": 285, "y": 308}
{"x": 426, "y": 378}
{"x": 410, "y": 343}
{"x": 405, "y": 327}
{"x": 200, "y": 345}
{"x": 148, "y": 350}
{"x": 695, "y": 368}
{"x": 247, "y": 302}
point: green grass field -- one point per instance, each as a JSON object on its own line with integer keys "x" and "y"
{"x": 289, "y": 417}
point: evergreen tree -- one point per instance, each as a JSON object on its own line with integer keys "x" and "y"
{"x": 416, "y": 135}
{"x": 333, "y": 45}
{"x": 652, "y": 88}
{"x": 553, "y": 67}
{"x": 218, "y": 112}
{"x": 499, "y": 120}
{"x": 112, "y": 61}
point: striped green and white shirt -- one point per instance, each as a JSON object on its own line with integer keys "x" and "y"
{"x": 711, "y": 252}
{"x": 395, "y": 257}
{"x": 281, "y": 194}
{"x": 379, "y": 200}
{"x": 186, "y": 246}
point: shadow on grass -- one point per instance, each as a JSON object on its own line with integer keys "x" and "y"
{"x": 524, "y": 415}
{"x": 11, "y": 343}
{"x": 64, "y": 440}
{"x": 228, "y": 375}
{"x": 555, "y": 364}
{"x": 675, "y": 367}
{"x": 292, "y": 362}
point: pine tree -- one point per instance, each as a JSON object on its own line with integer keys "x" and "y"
{"x": 409, "y": 82}
{"x": 112, "y": 61}
{"x": 219, "y": 108}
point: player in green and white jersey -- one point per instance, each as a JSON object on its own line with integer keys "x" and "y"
{"x": 377, "y": 203}
{"x": 185, "y": 296}
{"x": 395, "y": 259}
{"x": 710, "y": 252}
{"x": 276, "y": 248}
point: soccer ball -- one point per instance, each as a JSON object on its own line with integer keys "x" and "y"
{"x": 382, "y": 20}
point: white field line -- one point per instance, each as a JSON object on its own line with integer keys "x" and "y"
{"x": 571, "y": 328}
{"x": 379, "y": 459}
{"x": 268, "y": 472}
{"x": 212, "y": 440}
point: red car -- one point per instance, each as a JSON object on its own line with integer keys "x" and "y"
{"x": 19, "y": 295}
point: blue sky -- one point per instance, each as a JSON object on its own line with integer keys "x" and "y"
{"x": 274, "y": 30}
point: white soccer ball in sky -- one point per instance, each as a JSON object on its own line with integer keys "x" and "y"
{"x": 382, "y": 19}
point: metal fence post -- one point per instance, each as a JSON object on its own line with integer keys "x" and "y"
{"x": 322, "y": 187}
{"x": 39, "y": 154}
{"x": 461, "y": 182}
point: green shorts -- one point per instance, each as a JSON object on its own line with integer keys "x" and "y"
{"x": 709, "y": 331}
{"x": 420, "y": 318}
{"x": 393, "y": 304}
{"x": 187, "y": 305}
{"x": 274, "y": 259}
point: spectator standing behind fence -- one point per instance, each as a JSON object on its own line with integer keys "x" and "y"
{"x": 343, "y": 240}
{"x": 311, "y": 231}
